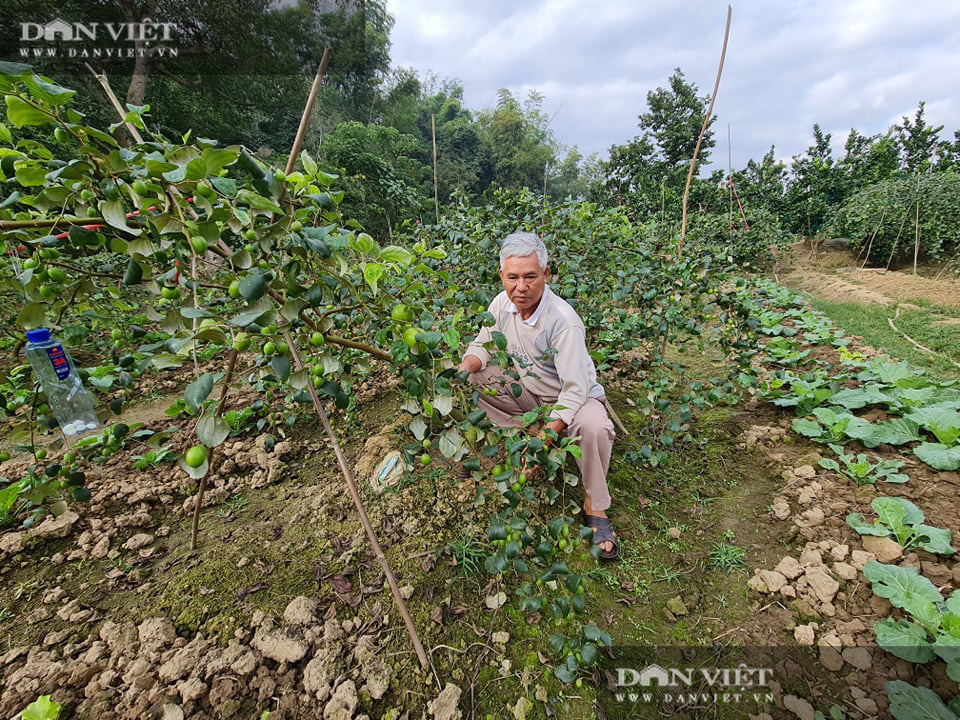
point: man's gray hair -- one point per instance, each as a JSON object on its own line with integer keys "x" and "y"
{"x": 522, "y": 244}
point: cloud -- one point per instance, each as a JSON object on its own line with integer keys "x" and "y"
{"x": 858, "y": 63}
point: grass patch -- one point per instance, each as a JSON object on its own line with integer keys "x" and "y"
{"x": 870, "y": 322}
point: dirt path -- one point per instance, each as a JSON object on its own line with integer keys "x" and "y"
{"x": 836, "y": 277}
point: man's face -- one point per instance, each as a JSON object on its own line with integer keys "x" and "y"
{"x": 524, "y": 281}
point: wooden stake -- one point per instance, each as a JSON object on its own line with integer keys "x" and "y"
{"x": 105, "y": 84}
{"x": 361, "y": 511}
{"x": 308, "y": 110}
{"x": 436, "y": 192}
{"x": 703, "y": 131}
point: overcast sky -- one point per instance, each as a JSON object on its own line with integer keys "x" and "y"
{"x": 789, "y": 64}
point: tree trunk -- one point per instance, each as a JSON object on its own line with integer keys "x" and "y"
{"x": 137, "y": 90}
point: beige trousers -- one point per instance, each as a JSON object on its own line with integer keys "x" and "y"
{"x": 591, "y": 423}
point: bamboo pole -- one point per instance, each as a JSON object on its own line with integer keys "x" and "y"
{"x": 436, "y": 192}
{"x": 308, "y": 110}
{"x": 341, "y": 459}
{"x": 703, "y": 132}
{"x": 361, "y": 510}
{"x": 105, "y": 84}
{"x": 730, "y": 185}
{"x": 916, "y": 243}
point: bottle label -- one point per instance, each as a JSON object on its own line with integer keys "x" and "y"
{"x": 59, "y": 361}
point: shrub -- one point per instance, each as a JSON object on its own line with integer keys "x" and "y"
{"x": 889, "y": 208}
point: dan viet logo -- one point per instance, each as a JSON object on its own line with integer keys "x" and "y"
{"x": 701, "y": 685}
{"x": 114, "y": 40}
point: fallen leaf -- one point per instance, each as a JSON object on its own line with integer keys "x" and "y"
{"x": 354, "y": 600}
{"x": 493, "y": 602}
{"x": 243, "y": 592}
{"x": 341, "y": 584}
{"x": 437, "y": 615}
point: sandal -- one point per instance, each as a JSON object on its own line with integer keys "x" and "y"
{"x": 603, "y": 532}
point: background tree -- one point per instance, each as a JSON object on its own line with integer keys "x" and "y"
{"x": 383, "y": 182}
{"x": 649, "y": 173}
{"x": 918, "y": 142}
{"x": 519, "y": 139}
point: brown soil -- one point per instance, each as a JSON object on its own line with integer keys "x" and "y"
{"x": 285, "y": 608}
{"x": 835, "y": 275}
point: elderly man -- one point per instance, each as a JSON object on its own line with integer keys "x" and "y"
{"x": 548, "y": 335}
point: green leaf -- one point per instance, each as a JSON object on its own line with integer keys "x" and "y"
{"x": 253, "y": 286}
{"x": 856, "y": 521}
{"x": 8, "y": 496}
{"x": 372, "y": 272}
{"x": 855, "y": 398}
{"x": 212, "y": 430}
{"x": 281, "y": 366}
{"x": 215, "y": 159}
{"x": 894, "y": 510}
{"x": 49, "y": 92}
{"x": 21, "y": 114}
{"x": 901, "y": 586}
{"x": 367, "y": 245}
{"x": 396, "y": 254}
{"x": 31, "y": 175}
{"x": 532, "y": 604}
{"x": 225, "y": 186}
{"x": 904, "y": 639}
{"x": 939, "y": 456}
{"x": 32, "y": 316}
{"x": 309, "y": 165}
{"x": 896, "y": 431}
{"x": 908, "y": 702}
{"x": 116, "y": 216}
{"x": 943, "y": 420}
{"x": 192, "y": 313}
{"x": 258, "y": 202}
{"x": 133, "y": 275}
{"x": 934, "y": 540}
{"x": 891, "y": 373}
{"x": 859, "y": 429}
{"x": 14, "y": 69}
{"x": 197, "y": 391}
{"x": 589, "y": 653}
{"x": 807, "y": 428}
{"x": 556, "y": 642}
{"x": 43, "y": 708}
{"x": 253, "y": 313}
{"x": 592, "y": 633}
{"x": 564, "y": 674}
{"x": 947, "y": 648}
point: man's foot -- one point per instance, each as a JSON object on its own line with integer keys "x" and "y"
{"x": 604, "y": 537}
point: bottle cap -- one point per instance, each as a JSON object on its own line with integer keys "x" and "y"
{"x": 38, "y": 336}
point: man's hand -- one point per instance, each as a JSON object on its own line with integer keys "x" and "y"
{"x": 557, "y": 426}
{"x": 470, "y": 364}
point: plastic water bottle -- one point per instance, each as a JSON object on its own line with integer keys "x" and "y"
{"x": 70, "y": 402}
